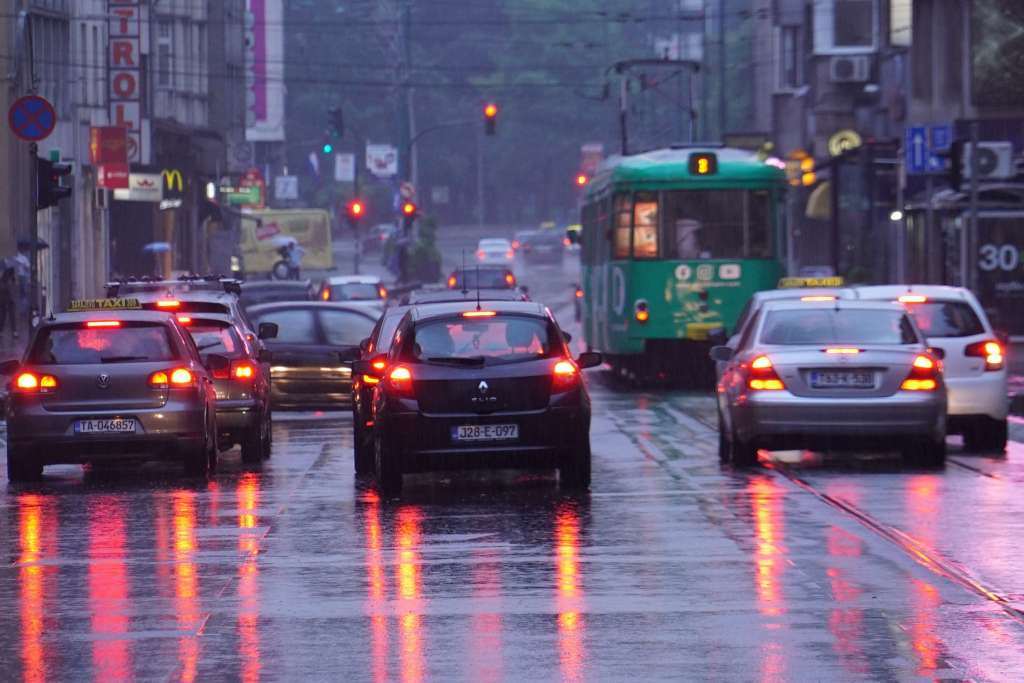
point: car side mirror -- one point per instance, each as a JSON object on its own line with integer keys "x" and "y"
{"x": 589, "y": 359}
{"x": 265, "y": 356}
{"x": 567, "y": 337}
{"x": 721, "y": 354}
{"x": 348, "y": 355}
{"x": 718, "y": 337}
{"x": 9, "y": 367}
{"x": 267, "y": 331}
{"x": 364, "y": 345}
{"x": 937, "y": 352}
{"x": 374, "y": 367}
{"x": 215, "y": 363}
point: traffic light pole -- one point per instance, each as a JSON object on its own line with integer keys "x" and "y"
{"x": 971, "y": 274}
{"x": 33, "y": 154}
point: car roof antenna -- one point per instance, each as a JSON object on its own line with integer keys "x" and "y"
{"x": 465, "y": 291}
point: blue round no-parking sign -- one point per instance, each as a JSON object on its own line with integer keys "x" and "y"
{"x": 32, "y": 118}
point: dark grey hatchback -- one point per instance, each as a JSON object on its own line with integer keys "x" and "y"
{"x": 469, "y": 386}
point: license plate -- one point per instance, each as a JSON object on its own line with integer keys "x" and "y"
{"x": 112, "y": 426}
{"x": 485, "y": 432}
{"x": 849, "y": 379}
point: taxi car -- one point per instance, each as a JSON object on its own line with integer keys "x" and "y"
{"x": 109, "y": 382}
{"x": 974, "y": 359}
{"x": 465, "y": 386}
{"x": 243, "y": 387}
{"x": 485, "y": 277}
{"x": 831, "y": 374}
{"x": 353, "y": 288}
{"x": 495, "y": 250}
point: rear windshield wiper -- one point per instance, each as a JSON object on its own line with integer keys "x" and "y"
{"x": 203, "y": 347}
{"x": 121, "y": 359}
{"x": 459, "y": 360}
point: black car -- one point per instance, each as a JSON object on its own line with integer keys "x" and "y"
{"x": 467, "y": 386}
{"x": 259, "y": 292}
{"x": 543, "y": 247}
{"x": 315, "y": 343}
{"x": 485, "y": 277}
{"x": 377, "y": 344}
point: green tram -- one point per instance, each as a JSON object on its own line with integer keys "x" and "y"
{"x": 674, "y": 243}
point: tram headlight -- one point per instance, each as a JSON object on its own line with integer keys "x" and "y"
{"x": 641, "y": 311}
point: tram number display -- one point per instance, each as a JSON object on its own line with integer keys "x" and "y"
{"x": 992, "y": 257}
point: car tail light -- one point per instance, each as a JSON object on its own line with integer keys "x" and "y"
{"x": 924, "y": 375}
{"x": 842, "y": 351}
{"x": 168, "y": 303}
{"x": 184, "y": 320}
{"x": 565, "y": 376}
{"x": 383, "y": 293}
{"x": 481, "y": 254}
{"x": 566, "y": 241}
{"x": 913, "y": 299}
{"x": 400, "y": 380}
{"x": 479, "y": 314}
{"x": 29, "y": 382}
{"x": 579, "y": 292}
{"x": 510, "y": 254}
{"x": 182, "y": 377}
{"x": 515, "y": 244}
{"x": 818, "y": 297}
{"x": 762, "y": 376}
{"x": 510, "y": 279}
{"x": 243, "y": 370}
{"x": 326, "y": 294}
{"x": 991, "y": 351}
{"x": 159, "y": 380}
{"x": 452, "y": 282}
{"x": 103, "y": 323}
{"x": 379, "y": 364}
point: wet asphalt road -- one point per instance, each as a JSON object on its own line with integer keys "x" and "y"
{"x": 809, "y": 568}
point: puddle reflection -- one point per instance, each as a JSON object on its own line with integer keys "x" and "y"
{"x": 846, "y": 621}
{"x": 410, "y": 606}
{"x": 766, "y": 498}
{"x": 38, "y": 539}
{"x": 108, "y": 586}
{"x": 485, "y": 647}
{"x": 377, "y": 592}
{"x": 923, "y": 502}
{"x": 247, "y": 495}
{"x": 571, "y": 623}
{"x": 185, "y": 581}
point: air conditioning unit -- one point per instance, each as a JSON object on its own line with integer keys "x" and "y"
{"x": 849, "y": 68}
{"x": 995, "y": 160}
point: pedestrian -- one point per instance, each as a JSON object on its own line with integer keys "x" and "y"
{"x": 9, "y": 295}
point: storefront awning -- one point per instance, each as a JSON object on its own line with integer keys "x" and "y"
{"x": 819, "y": 204}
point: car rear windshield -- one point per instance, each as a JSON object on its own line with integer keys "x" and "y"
{"x": 77, "y": 344}
{"x": 553, "y": 239}
{"x": 355, "y": 291}
{"x": 842, "y": 326}
{"x": 946, "y": 319}
{"x": 214, "y": 338}
{"x": 485, "y": 278}
{"x": 483, "y": 341}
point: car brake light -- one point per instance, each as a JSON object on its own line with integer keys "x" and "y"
{"x": 378, "y": 364}
{"x": 27, "y": 381}
{"x": 566, "y": 241}
{"x": 103, "y": 323}
{"x": 510, "y": 254}
{"x": 184, "y": 320}
{"x": 400, "y": 380}
{"x": 991, "y": 351}
{"x": 382, "y": 292}
{"x": 47, "y": 382}
{"x": 481, "y": 254}
{"x": 326, "y": 294}
{"x": 842, "y": 350}
{"x": 510, "y": 279}
{"x": 452, "y": 282}
{"x": 818, "y": 297}
{"x": 243, "y": 370}
{"x": 924, "y": 373}
{"x": 159, "y": 379}
{"x": 579, "y": 292}
{"x": 762, "y": 376}
{"x": 565, "y": 376}
{"x": 370, "y": 379}
{"x": 168, "y": 303}
{"x": 182, "y": 377}
{"x": 479, "y": 314}
{"x": 515, "y": 244}
{"x": 913, "y": 299}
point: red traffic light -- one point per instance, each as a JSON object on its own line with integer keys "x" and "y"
{"x": 491, "y": 110}
{"x": 408, "y": 209}
{"x": 582, "y": 179}
{"x": 356, "y": 208}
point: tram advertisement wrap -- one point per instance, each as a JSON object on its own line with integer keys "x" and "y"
{"x": 1001, "y": 271}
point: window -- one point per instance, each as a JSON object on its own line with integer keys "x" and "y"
{"x": 216, "y": 339}
{"x": 900, "y": 26}
{"x": 645, "y": 226}
{"x": 718, "y": 224}
{"x": 946, "y": 319}
{"x": 71, "y": 344}
{"x": 789, "y": 58}
{"x": 845, "y": 26}
{"x": 295, "y": 326}
{"x": 342, "y": 328}
{"x": 621, "y": 225}
{"x": 486, "y": 341}
{"x": 163, "y": 65}
{"x": 842, "y": 326}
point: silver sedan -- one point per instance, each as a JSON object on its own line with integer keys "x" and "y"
{"x": 837, "y": 374}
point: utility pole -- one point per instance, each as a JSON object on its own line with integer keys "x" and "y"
{"x": 480, "y": 180}
{"x": 721, "y": 69}
{"x": 971, "y": 274}
{"x": 405, "y": 164}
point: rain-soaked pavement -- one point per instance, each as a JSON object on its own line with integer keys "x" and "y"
{"x": 671, "y": 568}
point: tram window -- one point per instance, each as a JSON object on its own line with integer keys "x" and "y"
{"x": 622, "y": 225}
{"x": 645, "y": 225}
{"x": 718, "y": 224}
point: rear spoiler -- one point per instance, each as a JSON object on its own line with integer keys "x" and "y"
{"x": 227, "y": 284}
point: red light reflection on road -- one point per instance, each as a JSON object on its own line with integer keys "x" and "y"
{"x": 923, "y": 500}
{"x": 846, "y": 621}
{"x": 571, "y": 624}
{"x": 38, "y": 537}
{"x": 108, "y": 589}
{"x": 185, "y": 581}
{"x": 376, "y": 589}
{"x": 486, "y": 644}
{"x": 769, "y": 535}
{"x": 248, "y": 495}
{"x": 409, "y": 593}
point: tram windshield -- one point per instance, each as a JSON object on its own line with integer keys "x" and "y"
{"x": 716, "y": 224}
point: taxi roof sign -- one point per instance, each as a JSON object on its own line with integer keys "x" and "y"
{"x": 799, "y": 282}
{"x": 78, "y": 305}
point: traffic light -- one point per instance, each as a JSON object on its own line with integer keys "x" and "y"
{"x": 807, "y": 174}
{"x": 356, "y": 210}
{"x": 409, "y": 213}
{"x": 327, "y": 148}
{"x": 491, "y": 118}
{"x": 582, "y": 179}
{"x": 49, "y": 191}
{"x": 336, "y": 123}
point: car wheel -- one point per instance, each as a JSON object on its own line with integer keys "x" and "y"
{"x": 252, "y": 444}
{"x": 388, "y": 468}
{"x": 197, "y": 460}
{"x": 986, "y": 435}
{"x": 924, "y": 452}
{"x": 742, "y": 453}
{"x": 212, "y": 456}
{"x": 268, "y": 435}
{"x": 724, "y": 456}
{"x": 574, "y": 470}
{"x": 20, "y": 467}
{"x": 362, "y": 448}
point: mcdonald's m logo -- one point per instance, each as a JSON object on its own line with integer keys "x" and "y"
{"x": 174, "y": 186}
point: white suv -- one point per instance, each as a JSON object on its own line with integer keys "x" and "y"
{"x": 974, "y": 359}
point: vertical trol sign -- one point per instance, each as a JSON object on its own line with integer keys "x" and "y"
{"x": 124, "y": 78}
{"x": 264, "y": 71}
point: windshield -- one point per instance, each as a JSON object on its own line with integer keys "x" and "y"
{"x": 844, "y": 326}
{"x": 502, "y": 339}
{"x": 355, "y": 291}
{"x": 76, "y": 344}
{"x": 485, "y": 278}
{"x": 946, "y": 319}
{"x": 210, "y": 338}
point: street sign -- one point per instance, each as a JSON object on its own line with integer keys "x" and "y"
{"x": 382, "y": 160}
{"x": 142, "y": 187}
{"x": 286, "y": 187}
{"x": 31, "y": 118}
{"x": 844, "y": 140}
{"x": 407, "y": 190}
{"x": 915, "y": 148}
{"x": 940, "y": 139}
{"x": 108, "y": 145}
{"x": 112, "y": 176}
